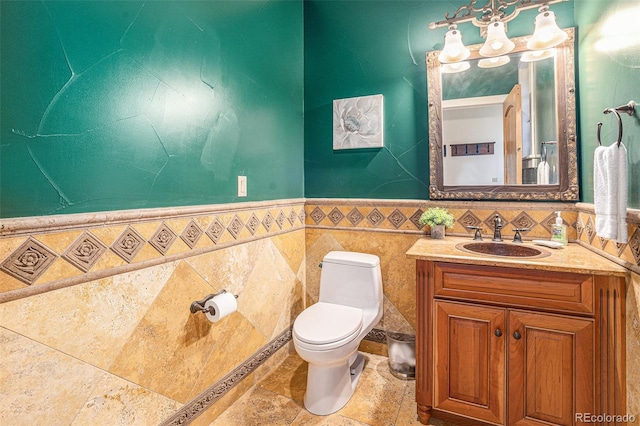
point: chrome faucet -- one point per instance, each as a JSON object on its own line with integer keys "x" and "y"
{"x": 497, "y": 226}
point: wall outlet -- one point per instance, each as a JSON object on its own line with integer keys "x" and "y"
{"x": 242, "y": 186}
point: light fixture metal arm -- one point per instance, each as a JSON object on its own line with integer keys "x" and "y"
{"x": 493, "y": 9}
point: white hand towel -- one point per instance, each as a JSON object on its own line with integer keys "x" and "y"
{"x": 543, "y": 173}
{"x": 610, "y": 192}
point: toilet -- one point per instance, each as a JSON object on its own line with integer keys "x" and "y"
{"x": 328, "y": 333}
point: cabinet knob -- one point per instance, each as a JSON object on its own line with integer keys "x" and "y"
{"x": 498, "y": 333}
{"x": 516, "y": 335}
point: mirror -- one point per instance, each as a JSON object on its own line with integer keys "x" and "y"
{"x": 504, "y": 132}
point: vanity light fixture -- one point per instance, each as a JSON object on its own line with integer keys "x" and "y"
{"x": 546, "y": 34}
{"x": 455, "y": 67}
{"x": 497, "y": 43}
{"x": 537, "y": 55}
{"x": 454, "y": 50}
{"x": 493, "y": 62}
{"x": 491, "y": 19}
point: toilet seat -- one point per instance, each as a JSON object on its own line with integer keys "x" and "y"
{"x": 325, "y": 326}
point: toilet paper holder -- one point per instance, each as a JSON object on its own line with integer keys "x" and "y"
{"x": 198, "y": 305}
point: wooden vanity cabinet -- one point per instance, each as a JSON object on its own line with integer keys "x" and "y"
{"x": 509, "y": 346}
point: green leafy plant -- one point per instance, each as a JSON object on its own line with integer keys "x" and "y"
{"x": 437, "y": 216}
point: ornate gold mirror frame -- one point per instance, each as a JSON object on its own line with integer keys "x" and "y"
{"x": 567, "y": 187}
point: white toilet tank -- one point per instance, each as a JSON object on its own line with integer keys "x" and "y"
{"x": 351, "y": 279}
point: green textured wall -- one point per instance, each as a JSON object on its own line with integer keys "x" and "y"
{"x": 608, "y": 79}
{"x": 356, "y": 48}
{"x": 116, "y": 105}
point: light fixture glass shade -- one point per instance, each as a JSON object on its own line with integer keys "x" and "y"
{"x": 498, "y": 61}
{"x": 497, "y": 43}
{"x": 537, "y": 55}
{"x": 546, "y": 34}
{"x": 454, "y": 50}
{"x": 454, "y": 67}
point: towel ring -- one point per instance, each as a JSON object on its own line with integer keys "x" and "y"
{"x": 607, "y": 111}
{"x": 628, "y": 108}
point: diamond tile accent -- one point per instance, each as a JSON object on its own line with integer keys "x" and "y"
{"x": 589, "y": 229}
{"x": 548, "y": 222}
{"x": 354, "y": 216}
{"x": 235, "y": 226}
{"x": 375, "y": 217}
{"x": 523, "y": 220}
{"x": 215, "y": 230}
{"x": 191, "y": 234}
{"x": 634, "y": 245}
{"x": 29, "y": 261}
{"x": 163, "y": 238}
{"x": 470, "y": 219}
{"x": 292, "y": 217}
{"x": 302, "y": 215}
{"x": 415, "y": 219}
{"x": 267, "y": 222}
{"x": 280, "y": 219}
{"x": 317, "y": 215}
{"x": 128, "y": 244}
{"x": 620, "y": 248}
{"x": 579, "y": 226}
{"x": 603, "y": 242}
{"x": 85, "y": 251}
{"x": 253, "y": 223}
{"x": 397, "y": 218}
{"x": 335, "y": 216}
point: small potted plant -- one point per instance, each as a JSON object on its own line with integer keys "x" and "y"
{"x": 437, "y": 218}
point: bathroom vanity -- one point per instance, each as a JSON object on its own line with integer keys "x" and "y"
{"x": 518, "y": 340}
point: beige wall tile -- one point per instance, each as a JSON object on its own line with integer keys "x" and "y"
{"x": 168, "y": 348}
{"x": 268, "y": 289}
{"x": 40, "y": 385}
{"x": 115, "y": 401}
{"x": 234, "y": 339}
{"x": 99, "y": 315}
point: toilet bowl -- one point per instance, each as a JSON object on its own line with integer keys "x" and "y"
{"x": 328, "y": 333}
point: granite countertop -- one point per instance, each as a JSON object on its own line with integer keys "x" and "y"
{"x": 570, "y": 258}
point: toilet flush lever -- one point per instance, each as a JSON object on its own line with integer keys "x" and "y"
{"x": 320, "y": 265}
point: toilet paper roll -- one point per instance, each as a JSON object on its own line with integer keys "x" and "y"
{"x": 223, "y": 305}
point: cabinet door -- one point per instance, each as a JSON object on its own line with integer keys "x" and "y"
{"x": 469, "y": 356}
{"x": 550, "y": 368}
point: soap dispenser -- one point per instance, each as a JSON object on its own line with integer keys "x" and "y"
{"x": 559, "y": 230}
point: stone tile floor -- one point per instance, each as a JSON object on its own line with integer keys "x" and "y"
{"x": 380, "y": 399}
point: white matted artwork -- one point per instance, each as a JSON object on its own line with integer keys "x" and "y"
{"x": 358, "y": 122}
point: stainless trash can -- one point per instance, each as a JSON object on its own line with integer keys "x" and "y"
{"x": 402, "y": 355}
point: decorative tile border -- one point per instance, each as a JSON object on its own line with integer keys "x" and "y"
{"x": 403, "y": 216}
{"x": 148, "y": 238}
{"x": 144, "y": 238}
{"x": 206, "y": 399}
{"x": 626, "y": 254}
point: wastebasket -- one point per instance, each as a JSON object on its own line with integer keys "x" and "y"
{"x": 402, "y": 355}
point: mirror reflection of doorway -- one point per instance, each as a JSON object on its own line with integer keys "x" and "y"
{"x": 512, "y": 124}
